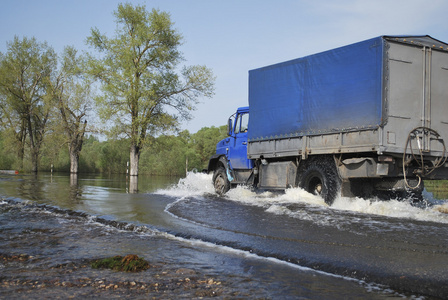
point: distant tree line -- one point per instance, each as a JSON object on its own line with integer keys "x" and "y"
{"x": 133, "y": 83}
{"x": 166, "y": 154}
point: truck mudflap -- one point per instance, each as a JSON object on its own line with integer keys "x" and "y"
{"x": 228, "y": 172}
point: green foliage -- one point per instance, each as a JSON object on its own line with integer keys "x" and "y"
{"x": 206, "y": 139}
{"x": 108, "y": 157}
{"x": 439, "y": 188}
{"x": 172, "y": 155}
{"x": 55, "y": 152}
{"x": 114, "y": 156}
{"x": 9, "y": 150}
{"x": 6, "y": 157}
{"x": 143, "y": 92}
{"x": 70, "y": 92}
{"x": 25, "y": 70}
{"x": 129, "y": 263}
{"x": 89, "y": 160}
{"x": 167, "y": 154}
{"x": 45, "y": 102}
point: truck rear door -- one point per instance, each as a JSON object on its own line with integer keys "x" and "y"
{"x": 416, "y": 95}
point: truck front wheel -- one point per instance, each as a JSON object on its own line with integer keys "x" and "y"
{"x": 319, "y": 176}
{"x": 220, "y": 181}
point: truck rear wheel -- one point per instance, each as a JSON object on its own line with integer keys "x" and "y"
{"x": 220, "y": 181}
{"x": 319, "y": 176}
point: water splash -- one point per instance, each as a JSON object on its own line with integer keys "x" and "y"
{"x": 295, "y": 195}
{"x": 393, "y": 208}
{"x": 194, "y": 184}
{"x": 295, "y": 201}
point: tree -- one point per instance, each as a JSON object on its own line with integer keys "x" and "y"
{"x": 13, "y": 126}
{"x": 24, "y": 73}
{"x": 205, "y": 142}
{"x": 145, "y": 92}
{"x": 71, "y": 93}
{"x": 6, "y": 158}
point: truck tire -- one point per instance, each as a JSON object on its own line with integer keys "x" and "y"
{"x": 220, "y": 181}
{"x": 319, "y": 176}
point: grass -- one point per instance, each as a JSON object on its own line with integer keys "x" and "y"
{"x": 439, "y": 188}
{"x": 128, "y": 263}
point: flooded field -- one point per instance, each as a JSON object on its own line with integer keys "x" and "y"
{"x": 244, "y": 245}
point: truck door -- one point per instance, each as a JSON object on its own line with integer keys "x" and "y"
{"x": 237, "y": 153}
{"x": 418, "y": 78}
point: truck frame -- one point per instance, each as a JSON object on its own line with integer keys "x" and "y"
{"x": 368, "y": 119}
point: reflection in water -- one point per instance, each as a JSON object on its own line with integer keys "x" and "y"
{"x": 133, "y": 185}
{"x": 75, "y": 189}
{"x": 99, "y": 194}
{"x": 30, "y": 188}
{"x": 73, "y": 179}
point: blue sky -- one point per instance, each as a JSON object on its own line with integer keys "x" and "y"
{"x": 232, "y": 36}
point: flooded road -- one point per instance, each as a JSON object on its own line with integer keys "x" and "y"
{"x": 261, "y": 245}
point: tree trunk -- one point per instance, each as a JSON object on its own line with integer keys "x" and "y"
{"x": 74, "y": 161}
{"x": 34, "y": 159}
{"x": 34, "y": 152}
{"x": 76, "y": 142}
{"x": 133, "y": 159}
{"x": 21, "y": 139}
{"x": 21, "y": 156}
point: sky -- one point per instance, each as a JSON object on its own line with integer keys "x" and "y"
{"x": 231, "y": 37}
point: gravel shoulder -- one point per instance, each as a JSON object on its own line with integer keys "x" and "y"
{"x": 22, "y": 277}
{"x": 48, "y": 256}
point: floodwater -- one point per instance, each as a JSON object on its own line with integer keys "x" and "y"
{"x": 289, "y": 245}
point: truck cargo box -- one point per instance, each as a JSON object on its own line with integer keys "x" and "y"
{"x": 366, "y": 96}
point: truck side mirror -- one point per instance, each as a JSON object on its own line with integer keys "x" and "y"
{"x": 229, "y": 126}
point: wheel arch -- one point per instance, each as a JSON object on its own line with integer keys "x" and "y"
{"x": 215, "y": 162}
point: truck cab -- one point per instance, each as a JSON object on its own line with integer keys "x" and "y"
{"x": 230, "y": 163}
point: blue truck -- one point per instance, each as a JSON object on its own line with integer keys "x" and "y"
{"x": 367, "y": 119}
